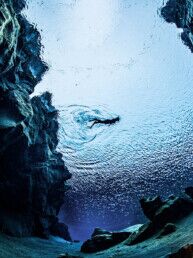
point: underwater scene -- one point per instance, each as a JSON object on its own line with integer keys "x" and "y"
{"x": 111, "y": 59}
{"x": 96, "y": 128}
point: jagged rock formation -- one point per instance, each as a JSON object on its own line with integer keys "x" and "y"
{"x": 162, "y": 215}
{"x": 167, "y": 229}
{"x": 174, "y": 239}
{"x": 102, "y": 239}
{"x": 180, "y": 12}
{"x": 32, "y": 172}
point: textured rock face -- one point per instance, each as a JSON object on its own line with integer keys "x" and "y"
{"x": 162, "y": 215}
{"x": 169, "y": 228}
{"x": 32, "y": 172}
{"x": 102, "y": 240}
{"x": 180, "y": 12}
{"x": 185, "y": 251}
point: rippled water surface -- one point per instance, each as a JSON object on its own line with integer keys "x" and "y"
{"x": 117, "y": 58}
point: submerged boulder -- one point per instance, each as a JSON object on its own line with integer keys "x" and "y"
{"x": 150, "y": 206}
{"x": 189, "y": 191}
{"x": 173, "y": 209}
{"x": 169, "y": 228}
{"x": 66, "y": 255}
{"x": 61, "y": 230}
{"x": 103, "y": 239}
{"x": 145, "y": 232}
{"x": 184, "y": 252}
{"x": 160, "y": 212}
{"x": 100, "y": 231}
{"x": 97, "y": 243}
{"x": 162, "y": 215}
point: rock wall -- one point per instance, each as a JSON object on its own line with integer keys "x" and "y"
{"x": 32, "y": 173}
{"x": 180, "y": 12}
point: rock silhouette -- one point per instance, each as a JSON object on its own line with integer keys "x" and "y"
{"x": 32, "y": 172}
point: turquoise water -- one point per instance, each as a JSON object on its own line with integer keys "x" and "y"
{"x": 109, "y": 58}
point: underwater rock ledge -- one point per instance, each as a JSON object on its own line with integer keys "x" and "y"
{"x": 32, "y": 173}
{"x": 164, "y": 217}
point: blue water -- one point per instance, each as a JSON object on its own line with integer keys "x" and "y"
{"x": 109, "y": 58}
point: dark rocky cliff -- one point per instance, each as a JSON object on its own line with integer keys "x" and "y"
{"x": 32, "y": 172}
{"x": 180, "y": 12}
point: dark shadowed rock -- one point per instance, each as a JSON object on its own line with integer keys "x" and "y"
{"x": 145, "y": 232}
{"x": 168, "y": 229}
{"x": 99, "y": 231}
{"x": 180, "y": 12}
{"x": 184, "y": 252}
{"x": 150, "y": 206}
{"x": 69, "y": 256}
{"x": 119, "y": 237}
{"x": 61, "y": 230}
{"x": 32, "y": 173}
{"x": 189, "y": 192}
{"x": 97, "y": 243}
{"x": 172, "y": 210}
{"x": 162, "y": 214}
{"x": 102, "y": 240}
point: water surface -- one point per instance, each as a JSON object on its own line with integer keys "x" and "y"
{"x": 108, "y": 58}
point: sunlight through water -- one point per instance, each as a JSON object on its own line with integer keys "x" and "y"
{"x": 107, "y": 59}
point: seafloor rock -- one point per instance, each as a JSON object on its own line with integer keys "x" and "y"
{"x": 189, "y": 191}
{"x": 180, "y": 12}
{"x": 161, "y": 215}
{"x": 173, "y": 208}
{"x": 150, "y": 206}
{"x": 60, "y": 230}
{"x": 32, "y": 172}
{"x": 100, "y": 231}
{"x": 102, "y": 239}
{"x": 69, "y": 256}
{"x": 184, "y": 252}
{"x": 145, "y": 232}
{"x": 168, "y": 229}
